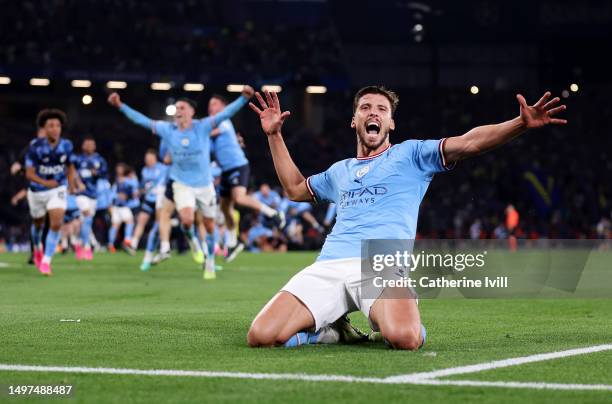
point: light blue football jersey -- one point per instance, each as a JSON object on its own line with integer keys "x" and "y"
{"x": 377, "y": 197}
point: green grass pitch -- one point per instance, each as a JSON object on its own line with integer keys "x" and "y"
{"x": 169, "y": 318}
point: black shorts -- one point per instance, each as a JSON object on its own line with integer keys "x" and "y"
{"x": 71, "y": 214}
{"x": 169, "y": 193}
{"x": 147, "y": 207}
{"x": 234, "y": 177}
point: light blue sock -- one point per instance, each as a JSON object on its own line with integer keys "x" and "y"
{"x": 112, "y": 235}
{"x": 153, "y": 238}
{"x": 129, "y": 230}
{"x": 50, "y": 243}
{"x": 86, "y": 230}
{"x": 36, "y": 235}
{"x": 210, "y": 243}
{"x": 302, "y": 338}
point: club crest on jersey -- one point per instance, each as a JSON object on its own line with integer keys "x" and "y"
{"x": 185, "y": 142}
{"x": 63, "y": 158}
{"x": 362, "y": 171}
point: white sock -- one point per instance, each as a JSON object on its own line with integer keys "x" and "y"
{"x": 135, "y": 242}
{"x": 267, "y": 211}
{"x": 165, "y": 247}
{"x": 46, "y": 260}
{"x": 232, "y": 239}
{"x": 148, "y": 256}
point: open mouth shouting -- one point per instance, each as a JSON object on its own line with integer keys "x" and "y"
{"x": 372, "y": 128}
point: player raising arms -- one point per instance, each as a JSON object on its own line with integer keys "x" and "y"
{"x": 234, "y": 178}
{"x": 308, "y": 307}
{"x": 188, "y": 141}
{"x": 91, "y": 167}
{"x": 49, "y": 162}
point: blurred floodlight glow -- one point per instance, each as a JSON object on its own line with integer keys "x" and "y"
{"x": 193, "y": 87}
{"x": 474, "y": 90}
{"x": 235, "y": 88}
{"x": 418, "y": 28}
{"x": 39, "y": 81}
{"x": 161, "y": 86}
{"x": 316, "y": 89}
{"x": 87, "y": 99}
{"x": 564, "y": 93}
{"x": 116, "y": 84}
{"x": 170, "y": 110}
{"x": 80, "y": 83}
{"x": 274, "y": 88}
{"x": 574, "y": 87}
{"x": 5, "y": 80}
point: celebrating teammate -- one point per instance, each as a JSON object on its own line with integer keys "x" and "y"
{"x": 308, "y": 307}
{"x": 151, "y": 177}
{"x": 188, "y": 141}
{"x": 234, "y": 178}
{"x": 49, "y": 167}
{"x": 90, "y": 167}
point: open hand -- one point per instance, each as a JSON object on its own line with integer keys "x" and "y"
{"x": 542, "y": 112}
{"x": 270, "y": 115}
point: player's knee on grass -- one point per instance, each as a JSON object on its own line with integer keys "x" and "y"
{"x": 403, "y": 337}
{"x": 261, "y": 336}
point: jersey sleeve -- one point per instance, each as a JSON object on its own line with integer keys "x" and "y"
{"x": 31, "y": 159}
{"x": 426, "y": 156}
{"x": 72, "y": 156}
{"x": 103, "y": 170}
{"x": 322, "y": 186}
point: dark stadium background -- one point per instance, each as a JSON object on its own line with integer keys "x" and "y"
{"x": 430, "y": 52}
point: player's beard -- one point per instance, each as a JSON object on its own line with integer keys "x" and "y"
{"x": 362, "y": 138}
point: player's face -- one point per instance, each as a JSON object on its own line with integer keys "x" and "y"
{"x": 53, "y": 129}
{"x": 150, "y": 159}
{"x": 89, "y": 146}
{"x": 372, "y": 120}
{"x": 215, "y": 106}
{"x": 265, "y": 190}
{"x": 184, "y": 112}
{"x": 119, "y": 171}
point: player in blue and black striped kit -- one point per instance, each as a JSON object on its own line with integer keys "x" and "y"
{"x": 91, "y": 167}
{"x": 124, "y": 189}
{"x": 49, "y": 170}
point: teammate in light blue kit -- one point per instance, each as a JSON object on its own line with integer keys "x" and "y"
{"x": 234, "y": 178}
{"x": 49, "y": 169}
{"x": 90, "y": 167}
{"x": 154, "y": 232}
{"x": 188, "y": 141}
{"x": 378, "y": 194}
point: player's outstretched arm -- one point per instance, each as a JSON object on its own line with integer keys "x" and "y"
{"x": 272, "y": 121}
{"x": 232, "y": 108}
{"x": 131, "y": 114}
{"x": 484, "y": 138}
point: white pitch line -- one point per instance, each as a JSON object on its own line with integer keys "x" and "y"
{"x": 479, "y": 367}
{"x": 514, "y": 385}
{"x": 423, "y": 378}
{"x": 191, "y": 373}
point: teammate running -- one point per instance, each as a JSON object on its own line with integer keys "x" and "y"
{"x": 124, "y": 189}
{"x": 188, "y": 141}
{"x": 234, "y": 178}
{"x": 395, "y": 178}
{"x": 150, "y": 179}
{"x": 49, "y": 168}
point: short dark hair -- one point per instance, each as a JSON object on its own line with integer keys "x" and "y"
{"x": 88, "y": 137}
{"x": 220, "y": 98}
{"x": 50, "y": 113}
{"x": 189, "y": 101}
{"x": 390, "y": 95}
{"x": 151, "y": 150}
